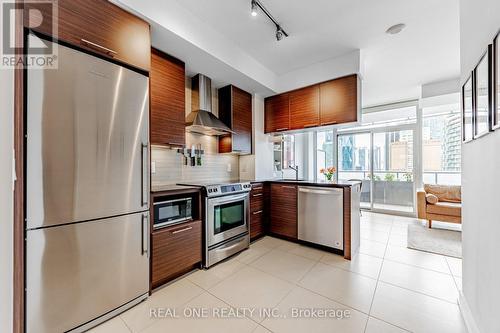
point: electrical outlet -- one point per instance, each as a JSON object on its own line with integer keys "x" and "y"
{"x": 229, "y": 167}
{"x": 153, "y": 167}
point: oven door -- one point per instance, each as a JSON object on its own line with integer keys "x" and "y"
{"x": 226, "y": 217}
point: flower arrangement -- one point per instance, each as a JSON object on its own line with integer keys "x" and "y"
{"x": 328, "y": 172}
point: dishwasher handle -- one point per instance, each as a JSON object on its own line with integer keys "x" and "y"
{"x": 323, "y": 192}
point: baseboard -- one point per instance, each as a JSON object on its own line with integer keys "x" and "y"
{"x": 470, "y": 323}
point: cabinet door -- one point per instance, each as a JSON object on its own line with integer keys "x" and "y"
{"x": 235, "y": 110}
{"x": 304, "y": 107}
{"x": 277, "y": 113}
{"x": 339, "y": 101}
{"x": 284, "y": 210}
{"x": 175, "y": 250}
{"x": 96, "y": 25}
{"x": 242, "y": 121}
{"x": 257, "y": 211}
{"x": 167, "y": 82}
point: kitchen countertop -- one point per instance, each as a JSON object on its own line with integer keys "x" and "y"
{"x": 340, "y": 184}
{"x": 172, "y": 187}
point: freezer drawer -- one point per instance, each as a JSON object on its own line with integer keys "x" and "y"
{"x": 77, "y": 272}
{"x": 321, "y": 216}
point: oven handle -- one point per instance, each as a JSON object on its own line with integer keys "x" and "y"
{"x": 229, "y": 198}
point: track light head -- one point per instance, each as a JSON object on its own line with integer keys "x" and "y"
{"x": 254, "y": 8}
{"x": 279, "y": 33}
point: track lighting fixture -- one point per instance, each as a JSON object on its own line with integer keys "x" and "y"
{"x": 255, "y": 5}
{"x": 254, "y": 8}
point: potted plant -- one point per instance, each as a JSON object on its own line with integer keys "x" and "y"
{"x": 328, "y": 172}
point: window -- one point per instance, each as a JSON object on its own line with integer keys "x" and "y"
{"x": 325, "y": 158}
{"x": 441, "y": 144}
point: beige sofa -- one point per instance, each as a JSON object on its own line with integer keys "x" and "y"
{"x": 440, "y": 203}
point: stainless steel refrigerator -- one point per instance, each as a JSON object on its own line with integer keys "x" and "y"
{"x": 87, "y": 192}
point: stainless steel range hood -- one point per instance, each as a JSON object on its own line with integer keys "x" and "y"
{"x": 201, "y": 119}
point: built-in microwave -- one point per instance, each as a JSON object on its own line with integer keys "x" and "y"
{"x": 173, "y": 211}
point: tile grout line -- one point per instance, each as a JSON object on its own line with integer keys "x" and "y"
{"x": 376, "y": 285}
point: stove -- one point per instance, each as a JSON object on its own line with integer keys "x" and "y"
{"x": 226, "y": 217}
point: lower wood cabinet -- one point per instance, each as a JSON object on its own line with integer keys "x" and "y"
{"x": 283, "y": 210}
{"x": 257, "y": 211}
{"x": 175, "y": 251}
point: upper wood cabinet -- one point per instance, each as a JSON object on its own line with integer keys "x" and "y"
{"x": 328, "y": 103}
{"x": 277, "y": 113}
{"x": 95, "y": 25}
{"x": 235, "y": 110}
{"x": 304, "y": 107}
{"x": 283, "y": 210}
{"x": 339, "y": 101}
{"x": 168, "y": 102}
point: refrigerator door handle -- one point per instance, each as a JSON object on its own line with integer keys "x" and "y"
{"x": 145, "y": 234}
{"x": 144, "y": 175}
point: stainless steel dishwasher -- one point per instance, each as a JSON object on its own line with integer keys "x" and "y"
{"x": 321, "y": 216}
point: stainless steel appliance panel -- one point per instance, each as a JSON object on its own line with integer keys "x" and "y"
{"x": 321, "y": 216}
{"x": 87, "y": 144}
{"x": 226, "y": 250}
{"x": 77, "y": 272}
{"x": 212, "y": 204}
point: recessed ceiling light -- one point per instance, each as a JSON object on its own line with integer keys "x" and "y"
{"x": 395, "y": 29}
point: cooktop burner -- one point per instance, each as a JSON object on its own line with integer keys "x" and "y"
{"x": 218, "y": 189}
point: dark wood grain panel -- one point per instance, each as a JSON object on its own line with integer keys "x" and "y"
{"x": 257, "y": 228}
{"x": 168, "y": 102}
{"x": 242, "y": 121}
{"x": 277, "y": 113}
{"x": 99, "y": 22}
{"x": 256, "y": 201}
{"x": 175, "y": 251}
{"x": 258, "y": 210}
{"x": 283, "y": 210}
{"x": 347, "y": 223}
{"x": 304, "y": 107}
{"x": 18, "y": 209}
{"x": 339, "y": 100}
{"x": 235, "y": 110}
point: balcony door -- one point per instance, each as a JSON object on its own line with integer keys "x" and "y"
{"x": 383, "y": 159}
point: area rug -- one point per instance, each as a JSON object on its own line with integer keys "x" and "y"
{"x": 440, "y": 241}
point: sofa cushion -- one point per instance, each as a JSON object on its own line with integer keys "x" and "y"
{"x": 445, "y": 208}
{"x": 446, "y": 193}
{"x": 431, "y": 198}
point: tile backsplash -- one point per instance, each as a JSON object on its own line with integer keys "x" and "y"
{"x": 170, "y": 168}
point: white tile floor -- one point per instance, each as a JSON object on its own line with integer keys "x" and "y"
{"x": 385, "y": 288}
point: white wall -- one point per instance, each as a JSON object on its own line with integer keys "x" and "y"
{"x": 350, "y": 63}
{"x": 263, "y": 148}
{"x": 479, "y": 21}
{"x": 6, "y": 219}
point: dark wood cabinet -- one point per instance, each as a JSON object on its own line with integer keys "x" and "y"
{"x": 304, "y": 107}
{"x": 257, "y": 211}
{"x": 283, "y": 210}
{"x": 235, "y": 110}
{"x": 277, "y": 113}
{"x": 339, "y": 101}
{"x": 95, "y": 25}
{"x": 328, "y": 103}
{"x": 168, "y": 102}
{"x": 175, "y": 250}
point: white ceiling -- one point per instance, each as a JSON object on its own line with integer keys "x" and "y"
{"x": 394, "y": 66}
